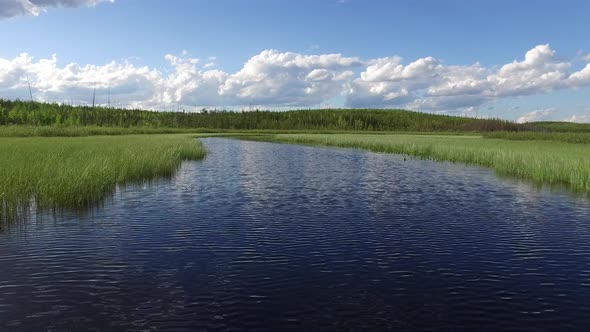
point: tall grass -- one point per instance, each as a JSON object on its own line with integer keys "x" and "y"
{"x": 568, "y": 137}
{"x": 545, "y": 162}
{"x": 559, "y": 126}
{"x": 76, "y": 172}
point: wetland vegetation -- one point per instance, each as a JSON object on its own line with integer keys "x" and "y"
{"x": 76, "y": 172}
{"x": 543, "y": 161}
{"x": 64, "y": 156}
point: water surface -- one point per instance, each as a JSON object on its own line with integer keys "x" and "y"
{"x": 271, "y": 237}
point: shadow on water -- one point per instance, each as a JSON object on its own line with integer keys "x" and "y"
{"x": 19, "y": 211}
{"x": 265, "y": 236}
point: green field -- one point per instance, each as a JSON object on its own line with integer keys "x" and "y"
{"x": 76, "y": 172}
{"x": 542, "y": 161}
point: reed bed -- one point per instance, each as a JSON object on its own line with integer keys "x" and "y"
{"x": 567, "y": 137}
{"x": 76, "y": 172}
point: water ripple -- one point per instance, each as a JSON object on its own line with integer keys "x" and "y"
{"x": 277, "y": 237}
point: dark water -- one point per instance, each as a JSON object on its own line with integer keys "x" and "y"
{"x": 272, "y": 237}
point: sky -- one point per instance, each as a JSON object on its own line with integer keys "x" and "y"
{"x": 516, "y": 60}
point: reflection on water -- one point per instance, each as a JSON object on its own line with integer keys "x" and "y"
{"x": 269, "y": 236}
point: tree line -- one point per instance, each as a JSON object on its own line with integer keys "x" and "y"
{"x": 19, "y": 112}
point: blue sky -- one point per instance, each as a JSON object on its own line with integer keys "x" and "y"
{"x": 122, "y": 46}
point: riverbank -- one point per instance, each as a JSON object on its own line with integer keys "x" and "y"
{"x": 73, "y": 172}
{"x": 52, "y": 170}
{"x": 542, "y": 161}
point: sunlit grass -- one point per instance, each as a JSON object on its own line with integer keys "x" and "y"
{"x": 78, "y": 131}
{"x": 568, "y": 137}
{"x": 75, "y": 172}
{"x": 545, "y": 162}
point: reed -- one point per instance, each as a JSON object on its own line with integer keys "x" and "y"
{"x": 568, "y": 137}
{"x": 76, "y": 172}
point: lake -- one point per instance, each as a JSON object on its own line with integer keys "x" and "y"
{"x": 273, "y": 237}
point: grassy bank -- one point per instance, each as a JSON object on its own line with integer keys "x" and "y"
{"x": 75, "y": 172}
{"x": 567, "y": 137}
{"x": 545, "y": 162}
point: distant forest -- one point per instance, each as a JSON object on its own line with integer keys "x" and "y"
{"x": 18, "y": 112}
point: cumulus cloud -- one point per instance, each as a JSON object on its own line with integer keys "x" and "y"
{"x": 73, "y": 82}
{"x": 540, "y": 71}
{"x": 428, "y": 84}
{"x": 538, "y": 115}
{"x": 273, "y": 78}
{"x": 580, "y": 118}
{"x": 581, "y": 77}
{"x": 292, "y": 79}
{"x": 269, "y": 78}
{"x": 10, "y": 8}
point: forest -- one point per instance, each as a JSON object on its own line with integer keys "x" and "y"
{"x": 18, "y": 112}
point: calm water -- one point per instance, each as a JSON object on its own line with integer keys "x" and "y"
{"x": 267, "y": 236}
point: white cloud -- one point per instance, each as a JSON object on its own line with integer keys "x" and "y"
{"x": 540, "y": 71}
{"x": 10, "y": 8}
{"x": 580, "y": 118}
{"x": 460, "y": 81}
{"x": 272, "y": 78}
{"x": 73, "y": 81}
{"x": 423, "y": 84}
{"x": 292, "y": 79}
{"x": 538, "y": 115}
{"x": 581, "y": 77}
{"x": 428, "y": 84}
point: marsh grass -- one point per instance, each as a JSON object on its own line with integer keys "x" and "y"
{"x": 76, "y": 172}
{"x": 567, "y": 137}
{"x": 559, "y": 126}
{"x": 544, "y": 162}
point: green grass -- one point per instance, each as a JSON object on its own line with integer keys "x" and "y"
{"x": 558, "y": 126}
{"x": 64, "y": 131}
{"x": 568, "y": 137}
{"x": 545, "y": 162}
{"x": 77, "y": 172}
